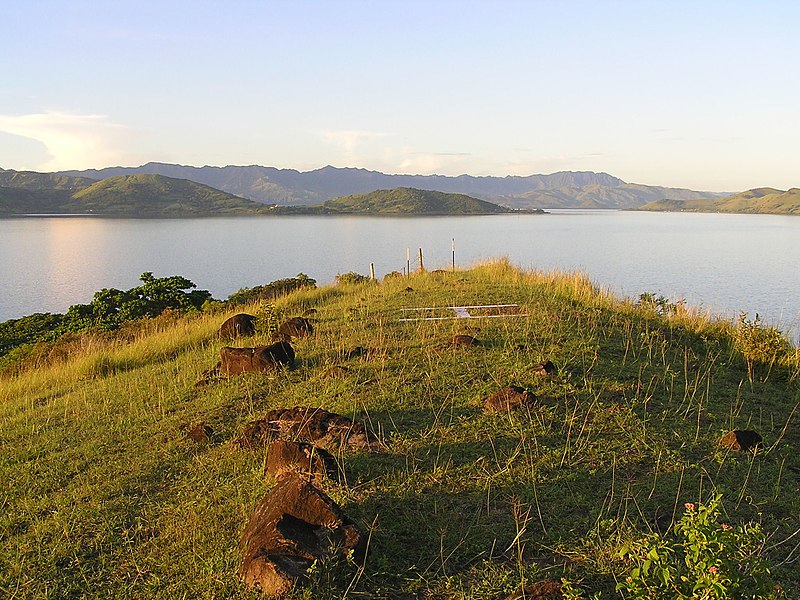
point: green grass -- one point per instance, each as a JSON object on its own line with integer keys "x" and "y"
{"x": 104, "y": 496}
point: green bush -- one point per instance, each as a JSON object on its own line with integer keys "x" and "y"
{"x": 705, "y": 559}
{"x": 270, "y": 291}
{"x": 351, "y": 278}
{"x": 111, "y": 307}
{"x": 758, "y": 343}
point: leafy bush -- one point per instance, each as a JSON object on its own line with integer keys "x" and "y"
{"x": 351, "y": 278}
{"x": 708, "y": 559}
{"x": 659, "y": 303}
{"x": 758, "y": 343}
{"x": 272, "y": 290}
{"x": 111, "y": 307}
{"x": 27, "y": 330}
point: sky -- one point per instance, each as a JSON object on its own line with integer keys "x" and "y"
{"x": 696, "y": 94}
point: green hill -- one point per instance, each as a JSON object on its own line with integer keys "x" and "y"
{"x": 122, "y": 476}
{"x": 149, "y": 195}
{"x": 758, "y": 200}
{"x": 410, "y": 201}
{"x": 126, "y": 195}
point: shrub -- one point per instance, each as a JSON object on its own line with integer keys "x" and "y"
{"x": 270, "y": 291}
{"x": 758, "y": 343}
{"x": 658, "y": 303}
{"x": 706, "y": 559}
{"x": 351, "y": 278}
{"x": 110, "y": 308}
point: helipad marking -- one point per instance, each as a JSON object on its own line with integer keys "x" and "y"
{"x": 462, "y": 312}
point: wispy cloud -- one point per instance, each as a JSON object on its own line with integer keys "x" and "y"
{"x": 72, "y": 140}
{"x": 349, "y": 141}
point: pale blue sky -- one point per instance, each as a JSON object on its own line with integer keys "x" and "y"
{"x": 692, "y": 94}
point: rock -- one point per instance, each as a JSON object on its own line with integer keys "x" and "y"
{"x": 199, "y": 433}
{"x": 235, "y": 361}
{"x": 319, "y": 427}
{"x": 295, "y": 327}
{"x": 544, "y": 369}
{"x": 309, "y": 312}
{"x": 408, "y": 289}
{"x": 299, "y": 458}
{"x": 508, "y": 399}
{"x": 238, "y": 326}
{"x": 741, "y": 440}
{"x": 546, "y": 589}
{"x": 357, "y": 352}
{"x": 464, "y": 340}
{"x": 294, "y": 525}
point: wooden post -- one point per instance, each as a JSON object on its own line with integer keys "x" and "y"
{"x": 408, "y": 261}
{"x": 372, "y": 271}
{"x": 421, "y": 266}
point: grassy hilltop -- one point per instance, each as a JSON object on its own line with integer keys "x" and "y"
{"x": 758, "y": 200}
{"x": 104, "y": 495}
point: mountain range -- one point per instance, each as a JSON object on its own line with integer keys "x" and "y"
{"x": 285, "y": 187}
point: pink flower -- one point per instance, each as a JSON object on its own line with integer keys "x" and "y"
{"x": 713, "y": 569}
{"x": 689, "y": 506}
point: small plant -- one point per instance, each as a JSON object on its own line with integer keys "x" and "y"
{"x": 707, "y": 559}
{"x": 658, "y": 303}
{"x": 758, "y": 343}
{"x": 351, "y": 278}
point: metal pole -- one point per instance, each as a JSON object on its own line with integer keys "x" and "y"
{"x": 408, "y": 261}
{"x": 453, "y": 247}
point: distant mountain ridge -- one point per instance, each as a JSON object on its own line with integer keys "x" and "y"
{"x": 270, "y": 185}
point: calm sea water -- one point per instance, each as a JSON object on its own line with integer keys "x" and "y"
{"x": 722, "y": 263}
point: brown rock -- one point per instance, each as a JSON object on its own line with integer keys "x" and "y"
{"x": 199, "y": 433}
{"x": 464, "y": 340}
{"x": 546, "y": 589}
{"x": 741, "y": 440}
{"x": 291, "y": 527}
{"x": 295, "y": 327}
{"x": 238, "y": 326}
{"x": 314, "y": 425}
{"x": 544, "y": 369}
{"x": 235, "y": 361}
{"x": 309, "y": 312}
{"x": 508, "y": 399}
{"x": 299, "y": 458}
